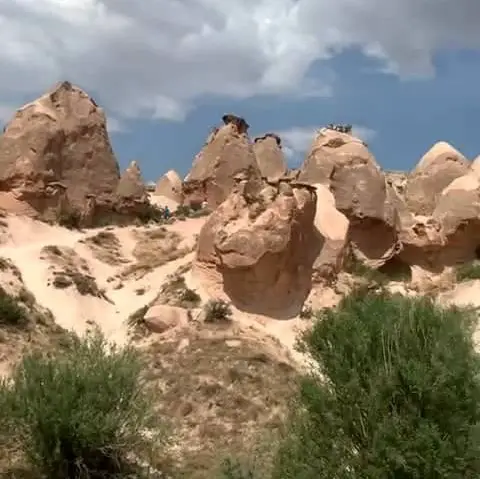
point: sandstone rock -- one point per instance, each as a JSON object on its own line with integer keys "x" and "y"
{"x": 434, "y": 172}
{"x": 458, "y": 211}
{"x": 226, "y": 153}
{"x": 345, "y": 165}
{"x": 160, "y": 318}
{"x": 475, "y": 165}
{"x": 170, "y": 186}
{"x": 270, "y": 158}
{"x": 131, "y": 184}
{"x": 332, "y": 228}
{"x": 398, "y": 181}
{"x": 60, "y": 137}
{"x": 258, "y": 247}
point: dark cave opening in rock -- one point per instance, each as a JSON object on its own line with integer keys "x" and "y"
{"x": 477, "y": 252}
{"x": 396, "y": 270}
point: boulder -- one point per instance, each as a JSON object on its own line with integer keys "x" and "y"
{"x": 228, "y": 152}
{"x": 60, "y": 138}
{"x": 270, "y": 157}
{"x": 344, "y": 164}
{"x": 258, "y": 247}
{"x": 169, "y": 186}
{"x": 161, "y": 318}
{"x": 131, "y": 184}
{"x": 434, "y": 172}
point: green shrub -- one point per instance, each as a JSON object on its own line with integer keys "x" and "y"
{"x": 190, "y": 296}
{"x": 12, "y": 313}
{"x": 81, "y": 412}
{"x": 395, "y": 394}
{"x": 468, "y": 271}
{"x": 217, "y": 311}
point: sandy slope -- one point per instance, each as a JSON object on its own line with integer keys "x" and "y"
{"x": 26, "y": 238}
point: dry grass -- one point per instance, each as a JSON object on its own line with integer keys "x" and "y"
{"x": 106, "y": 247}
{"x": 69, "y": 269}
{"x": 154, "y": 248}
{"x": 224, "y": 392}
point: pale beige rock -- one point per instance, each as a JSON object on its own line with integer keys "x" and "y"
{"x": 169, "y": 186}
{"x": 435, "y": 171}
{"x": 160, "y": 318}
{"x": 131, "y": 184}
{"x": 258, "y": 248}
{"x": 227, "y": 153}
{"x": 60, "y": 137}
{"x": 345, "y": 165}
{"x": 270, "y": 157}
{"x": 332, "y": 227}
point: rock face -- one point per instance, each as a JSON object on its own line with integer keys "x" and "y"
{"x": 131, "y": 184}
{"x": 270, "y": 158}
{"x": 332, "y": 229}
{"x": 57, "y": 147}
{"x": 170, "y": 186}
{"x": 258, "y": 247}
{"x": 344, "y": 164}
{"x": 227, "y": 153}
{"x": 434, "y": 172}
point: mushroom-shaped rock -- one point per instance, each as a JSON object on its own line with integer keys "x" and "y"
{"x": 61, "y": 136}
{"x": 458, "y": 211}
{"x": 131, "y": 184}
{"x": 226, "y": 154}
{"x": 344, "y": 163}
{"x": 169, "y": 186}
{"x": 332, "y": 229}
{"x": 270, "y": 157}
{"x": 258, "y": 247}
{"x": 434, "y": 172}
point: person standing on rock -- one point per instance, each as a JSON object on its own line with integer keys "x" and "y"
{"x": 166, "y": 213}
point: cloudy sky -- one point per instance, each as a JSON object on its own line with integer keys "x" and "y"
{"x": 406, "y": 73}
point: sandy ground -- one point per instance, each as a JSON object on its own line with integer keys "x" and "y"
{"x": 26, "y": 238}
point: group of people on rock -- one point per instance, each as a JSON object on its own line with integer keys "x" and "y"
{"x": 340, "y": 128}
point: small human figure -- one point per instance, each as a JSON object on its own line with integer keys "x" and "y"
{"x": 166, "y": 213}
{"x": 204, "y": 205}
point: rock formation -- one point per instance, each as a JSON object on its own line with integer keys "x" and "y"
{"x": 57, "y": 147}
{"x": 131, "y": 184}
{"x": 332, "y": 229}
{"x": 270, "y": 158}
{"x": 227, "y": 153}
{"x": 258, "y": 247}
{"x": 344, "y": 164}
{"x": 434, "y": 172}
{"x": 170, "y": 186}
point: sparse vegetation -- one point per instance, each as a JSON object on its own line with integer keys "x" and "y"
{"x": 190, "y": 296}
{"x": 70, "y": 219}
{"x": 468, "y": 271}
{"x": 217, "y": 311}
{"x": 306, "y": 312}
{"x": 12, "y": 313}
{"x": 81, "y": 412}
{"x": 396, "y": 394}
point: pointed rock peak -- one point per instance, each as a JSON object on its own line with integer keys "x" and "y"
{"x": 173, "y": 176}
{"x": 439, "y": 152}
{"x": 133, "y": 167}
{"x": 63, "y": 85}
{"x": 240, "y": 123}
{"x": 269, "y": 135}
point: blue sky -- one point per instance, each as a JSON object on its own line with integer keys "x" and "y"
{"x": 405, "y": 73}
{"x": 406, "y": 116}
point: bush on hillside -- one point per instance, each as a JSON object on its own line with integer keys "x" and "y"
{"x": 396, "y": 394}
{"x": 217, "y": 311}
{"x": 79, "y": 413}
{"x": 12, "y": 313}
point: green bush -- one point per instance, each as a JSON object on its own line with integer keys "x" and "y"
{"x": 217, "y": 311}
{"x": 12, "y": 313}
{"x": 468, "y": 271}
{"x": 81, "y": 412}
{"x": 395, "y": 393}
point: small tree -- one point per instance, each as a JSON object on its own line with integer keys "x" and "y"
{"x": 80, "y": 413}
{"x": 395, "y": 394}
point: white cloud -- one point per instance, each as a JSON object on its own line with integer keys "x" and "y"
{"x": 154, "y": 58}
